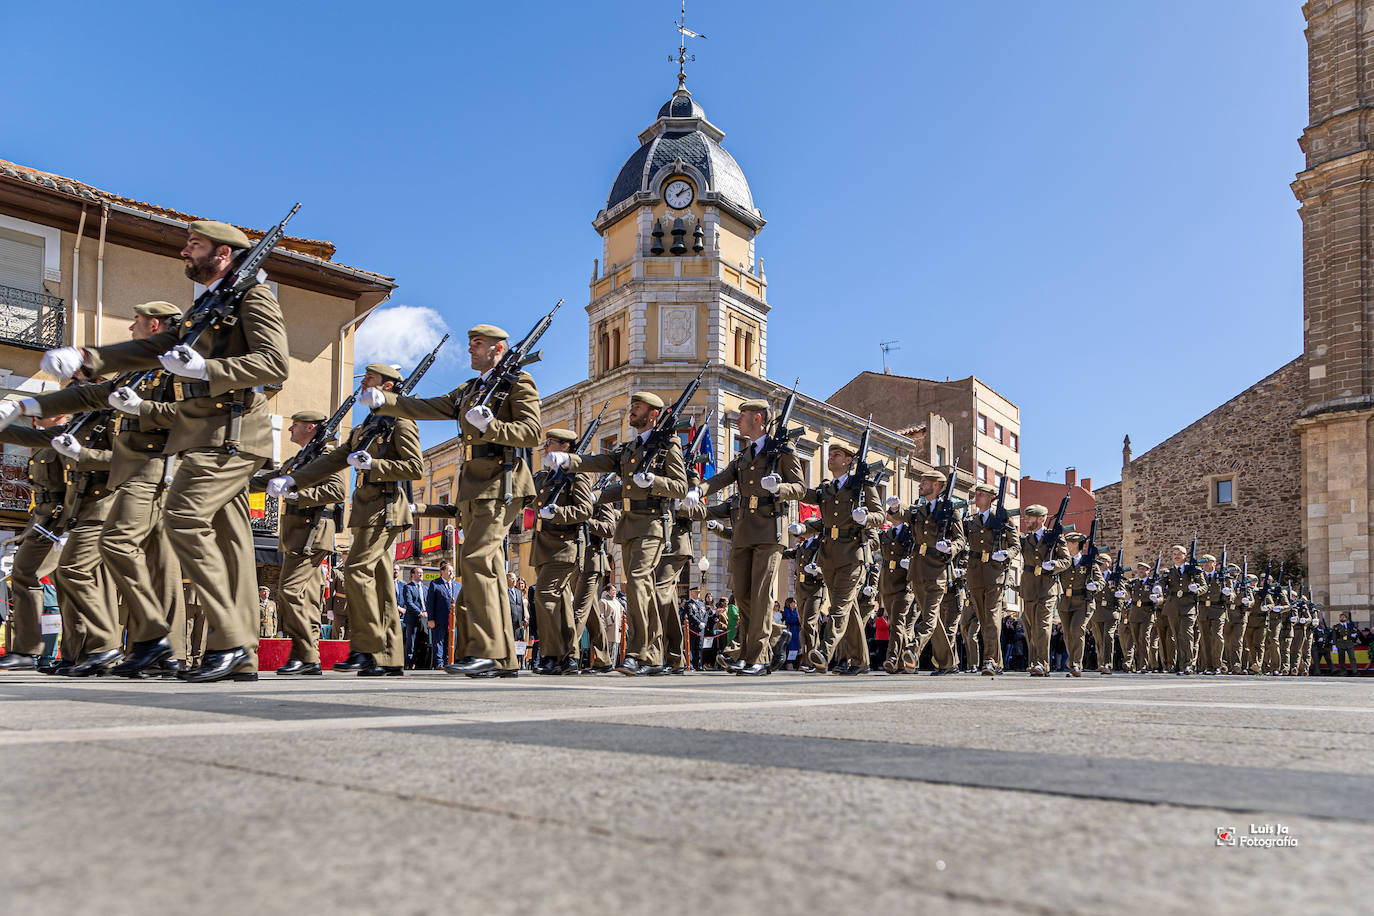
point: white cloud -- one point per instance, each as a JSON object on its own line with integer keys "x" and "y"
{"x": 401, "y": 334}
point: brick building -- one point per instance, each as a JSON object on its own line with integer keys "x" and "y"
{"x": 1082, "y": 502}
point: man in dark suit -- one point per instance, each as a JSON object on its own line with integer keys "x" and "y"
{"x": 410, "y": 599}
{"x": 440, "y": 601}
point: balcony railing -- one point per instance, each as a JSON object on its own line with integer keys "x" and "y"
{"x": 32, "y": 320}
{"x": 14, "y": 483}
{"x": 267, "y": 525}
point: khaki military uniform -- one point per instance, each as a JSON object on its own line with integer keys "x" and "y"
{"x": 378, "y": 515}
{"x": 36, "y": 556}
{"x": 758, "y": 521}
{"x": 677, "y": 554}
{"x": 556, "y": 554}
{"x": 1140, "y": 622}
{"x": 645, "y": 522}
{"x": 1076, "y": 604}
{"x": 811, "y": 602}
{"x": 844, "y": 558}
{"x": 1212, "y": 609}
{"x": 1233, "y": 633}
{"x": 592, "y": 578}
{"x": 987, "y": 579}
{"x": 268, "y": 625}
{"x": 222, "y": 431}
{"x": 944, "y": 653}
{"x": 894, "y": 546}
{"x": 305, "y": 536}
{"x": 494, "y": 471}
{"x": 931, "y": 574}
{"x": 1105, "y": 621}
{"x": 1257, "y": 630}
{"x": 1179, "y": 617}
{"x": 1279, "y": 632}
{"x": 1040, "y": 592}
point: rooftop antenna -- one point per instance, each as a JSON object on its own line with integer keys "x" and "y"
{"x": 887, "y": 346}
{"x": 683, "y": 57}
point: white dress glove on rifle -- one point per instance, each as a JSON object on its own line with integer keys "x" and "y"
{"x": 1228, "y": 591}
{"x": 278, "y": 486}
{"x": 360, "y": 460}
{"x": 905, "y": 563}
{"x": 1119, "y": 594}
{"x": 183, "y": 361}
{"x": 771, "y": 482}
{"x": 944, "y": 546}
{"x": 693, "y": 499}
{"x": 643, "y": 479}
{"x": 556, "y": 461}
{"x": 1092, "y": 586}
{"x": 125, "y": 400}
{"x": 811, "y": 569}
{"x": 1194, "y": 587}
{"x": 999, "y": 555}
{"x": 67, "y": 445}
{"x": 868, "y": 591}
{"x": 546, "y": 512}
{"x": 62, "y": 363}
{"x": 479, "y": 417}
{"x": 712, "y": 525}
{"x": 1047, "y": 566}
{"x": 796, "y": 528}
{"x": 894, "y": 504}
{"x": 860, "y": 516}
{"x": 9, "y": 412}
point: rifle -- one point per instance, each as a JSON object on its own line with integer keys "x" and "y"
{"x": 376, "y": 425}
{"x": 1091, "y": 556}
{"x": 1117, "y": 572}
{"x": 1245, "y": 572}
{"x": 1221, "y": 570}
{"x": 1154, "y": 576}
{"x": 1264, "y": 583}
{"x": 943, "y": 510}
{"x": 864, "y": 473}
{"x": 1001, "y": 520}
{"x": 692, "y": 454}
{"x": 1057, "y": 529}
{"x": 498, "y": 383}
{"x": 780, "y": 437}
{"x": 1190, "y": 567}
{"x": 324, "y": 434}
{"x": 663, "y": 433}
{"x": 563, "y": 477}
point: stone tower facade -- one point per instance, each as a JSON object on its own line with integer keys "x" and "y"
{"x": 1336, "y": 192}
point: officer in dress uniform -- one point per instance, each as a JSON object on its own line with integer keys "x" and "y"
{"x": 556, "y": 554}
{"x": 992, "y": 555}
{"x": 1080, "y": 582}
{"x": 1181, "y": 588}
{"x": 1042, "y": 563}
{"x": 894, "y": 546}
{"x": 1106, "y": 616}
{"x": 1213, "y": 605}
{"x": 1233, "y": 634}
{"x": 930, "y": 571}
{"x": 1139, "y": 616}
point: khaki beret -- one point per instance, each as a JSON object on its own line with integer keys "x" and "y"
{"x": 220, "y": 233}
{"x": 1207, "y": 558}
{"x": 1252, "y": 578}
{"x": 1233, "y": 566}
{"x": 309, "y": 416}
{"x": 647, "y": 397}
{"x": 1103, "y": 559}
{"x": 158, "y": 309}
{"x": 488, "y": 330}
{"x": 934, "y": 475}
{"x": 561, "y": 434}
{"x": 754, "y": 404}
{"x": 984, "y": 488}
{"x": 1035, "y": 511}
{"x": 1075, "y": 536}
{"x": 1143, "y": 566}
{"x": 844, "y": 445}
{"x": 385, "y": 371}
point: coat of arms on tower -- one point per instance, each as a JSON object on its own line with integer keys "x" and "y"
{"x": 678, "y": 331}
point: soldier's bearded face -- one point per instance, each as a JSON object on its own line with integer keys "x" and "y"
{"x": 484, "y": 351}
{"x": 641, "y": 415}
{"x": 203, "y": 263}
{"x": 927, "y": 488}
{"x": 1179, "y": 557}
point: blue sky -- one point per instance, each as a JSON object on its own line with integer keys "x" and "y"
{"x": 1085, "y": 204}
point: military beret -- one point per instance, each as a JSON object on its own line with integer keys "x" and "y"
{"x": 1179, "y": 547}
{"x": 562, "y": 435}
{"x": 1035, "y": 511}
{"x": 220, "y": 233}
{"x": 1232, "y": 566}
{"x": 1143, "y": 566}
{"x": 844, "y": 445}
{"x": 309, "y": 416}
{"x": 1075, "y": 536}
{"x": 1104, "y": 559}
{"x": 385, "y": 371}
{"x": 754, "y": 404}
{"x": 984, "y": 488}
{"x": 488, "y": 330}
{"x": 1252, "y": 578}
{"x": 933, "y": 474}
{"x": 158, "y": 309}
{"x": 647, "y": 397}
{"x": 1207, "y": 558}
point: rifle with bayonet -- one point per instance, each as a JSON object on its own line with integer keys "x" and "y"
{"x": 1090, "y": 557}
{"x": 377, "y": 426}
{"x": 562, "y": 477}
{"x": 664, "y": 432}
{"x": 493, "y": 390}
{"x": 780, "y": 436}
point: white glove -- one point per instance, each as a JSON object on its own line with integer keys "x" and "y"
{"x": 1246, "y": 602}
{"x": 1194, "y": 587}
{"x": 905, "y": 563}
{"x": 372, "y": 398}
{"x": 1228, "y": 591}
{"x": 712, "y": 525}
{"x": 999, "y": 555}
{"x": 413, "y": 508}
{"x": 811, "y": 569}
{"x": 1092, "y": 586}
{"x": 1157, "y": 590}
{"x": 360, "y": 460}
{"x": 860, "y": 516}
{"x": 546, "y": 512}
{"x": 771, "y": 482}
{"x": 62, "y": 542}
{"x": 959, "y": 572}
{"x": 62, "y": 363}
{"x": 796, "y": 528}
{"x": 67, "y": 445}
{"x": 703, "y": 564}
{"x": 479, "y": 417}
{"x": 556, "y": 461}
{"x": 182, "y": 360}
{"x": 278, "y": 486}
{"x": 894, "y": 504}
{"x": 868, "y": 591}
{"x": 1157, "y": 599}
{"x": 693, "y": 498}
{"x": 125, "y": 400}
{"x": 944, "y": 546}
{"x": 643, "y": 479}
{"x": 9, "y": 412}
{"x": 1293, "y": 619}
{"x": 1119, "y": 594}
{"x": 1047, "y": 566}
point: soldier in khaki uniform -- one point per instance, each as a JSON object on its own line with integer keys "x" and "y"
{"x": 1139, "y": 617}
{"x": 223, "y": 434}
{"x": 894, "y": 546}
{"x": 268, "y": 622}
{"x": 992, "y": 555}
{"x": 846, "y": 514}
{"x": 595, "y": 575}
{"x": 1042, "y": 563}
{"x": 677, "y": 554}
{"x": 1213, "y": 605}
{"x": 306, "y": 539}
{"x": 494, "y": 486}
{"x": 1278, "y": 632}
{"x": 1181, "y": 588}
{"x": 930, "y": 571}
{"x": 556, "y": 554}
{"x": 1079, "y": 584}
{"x": 36, "y": 556}
{"x": 1106, "y": 616}
{"x": 645, "y": 520}
{"x": 1257, "y": 626}
{"x": 1233, "y": 634}
{"x": 767, "y": 477}
{"x": 810, "y": 595}
{"x": 378, "y": 516}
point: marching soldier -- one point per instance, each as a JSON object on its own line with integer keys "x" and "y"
{"x": 223, "y": 433}
{"x": 494, "y": 486}
{"x": 645, "y": 518}
{"x": 378, "y": 516}
{"x": 306, "y": 539}
{"x": 677, "y": 554}
{"x": 945, "y": 650}
{"x": 1181, "y": 587}
{"x": 1280, "y": 631}
{"x": 930, "y": 572}
{"x": 1043, "y": 560}
{"x": 1105, "y": 616}
{"x": 867, "y": 601}
{"x": 846, "y": 513}
{"x": 593, "y": 577}
{"x": 1214, "y": 604}
{"x": 267, "y": 614}
{"x": 894, "y": 546}
{"x": 992, "y": 554}
{"x": 1233, "y": 634}
{"x": 810, "y": 594}
{"x": 767, "y": 477}
{"x": 1139, "y": 617}
{"x": 1256, "y": 626}
{"x": 565, "y": 504}
{"x": 1080, "y": 583}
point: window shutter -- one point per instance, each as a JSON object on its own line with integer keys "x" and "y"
{"x": 21, "y": 261}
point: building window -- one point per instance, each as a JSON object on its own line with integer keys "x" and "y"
{"x": 982, "y": 472}
{"x": 608, "y": 443}
{"x": 615, "y": 348}
{"x": 1012, "y": 488}
{"x": 605, "y": 352}
{"x": 939, "y": 456}
{"x": 748, "y": 351}
{"x": 739, "y": 346}
{"x": 982, "y": 424}
{"x": 996, "y": 480}
{"x": 1223, "y": 491}
{"x": 1014, "y": 441}
{"x": 997, "y": 432}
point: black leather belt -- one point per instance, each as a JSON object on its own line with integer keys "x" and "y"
{"x": 543, "y": 525}
{"x": 317, "y": 512}
{"x": 484, "y": 450}
{"x": 848, "y": 533}
{"x": 643, "y": 505}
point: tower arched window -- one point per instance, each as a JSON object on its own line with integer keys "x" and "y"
{"x": 605, "y": 351}
{"x": 748, "y": 351}
{"x": 615, "y": 348}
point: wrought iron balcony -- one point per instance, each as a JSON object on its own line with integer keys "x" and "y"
{"x": 14, "y": 483}
{"x": 267, "y": 525}
{"x": 32, "y": 320}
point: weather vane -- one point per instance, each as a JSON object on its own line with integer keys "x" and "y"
{"x": 683, "y": 57}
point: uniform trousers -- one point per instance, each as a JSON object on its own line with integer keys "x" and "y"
{"x": 944, "y": 649}
{"x": 1211, "y": 625}
{"x": 485, "y": 630}
{"x": 553, "y": 609}
{"x": 1037, "y": 619}
{"x": 375, "y": 625}
{"x": 970, "y": 627}
{"x": 901, "y": 626}
{"x": 843, "y": 578}
{"x": 587, "y": 613}
{"x": 989, "y": 604}
{"x": 35, "y": 558}
{"x": 670, "y": 648}
{"x": 1233, "y": 638}
{"x": 1256, "y": 641}
{"x": 1103, "y": 624}
{"x": 1176, "y": 636}
{"x": 927, "y": 595}
{"x": 810, "y": 605}
{"x": 300, "y": 593}
{"x": 139, "y": 559}
{"x": 1073, "y": 620}
{"x": 753, "y": 573}
{"x": 86, "y": 588}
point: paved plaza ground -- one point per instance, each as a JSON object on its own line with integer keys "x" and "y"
{"x": 707, "y": 793}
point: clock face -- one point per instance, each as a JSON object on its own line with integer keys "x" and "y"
{"x": 678, "y": 194}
